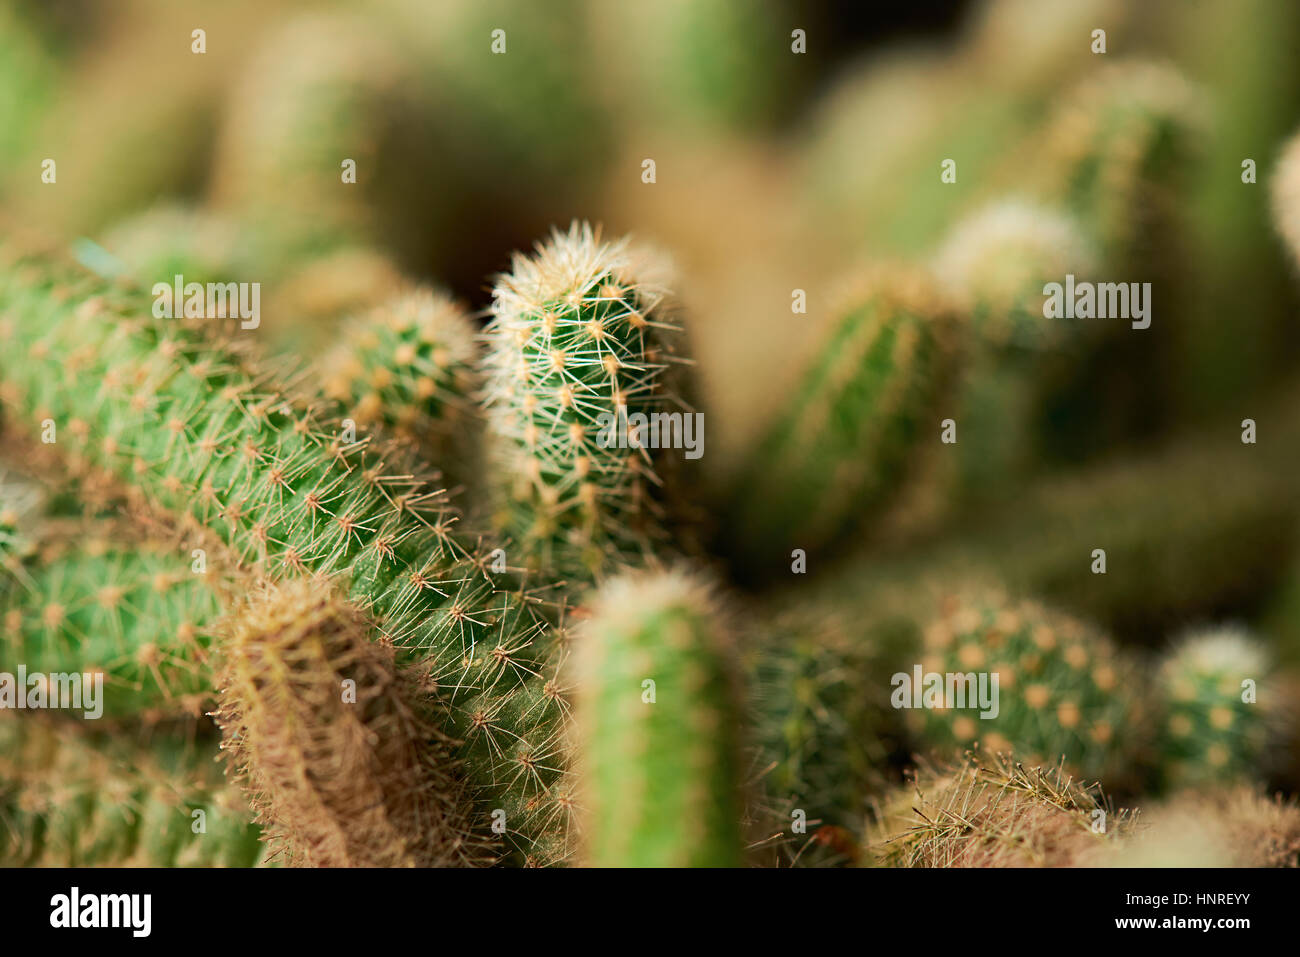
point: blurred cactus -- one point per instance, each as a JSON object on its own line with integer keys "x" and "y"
{"x": 333, "y": 742}
{"x": 656, "y": 713}
{"x": 844, "y": 441}
{"x": 1217, "y": 709}
{"x": 137, "y": 615}
{"x": 69, "y": 798}
{"x": 409, "y": 366}
{"x": 1064, "y": 693}
{"x": 993, "y": 811}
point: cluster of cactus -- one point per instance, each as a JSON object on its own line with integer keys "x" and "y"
{"x": 456, "y": 595}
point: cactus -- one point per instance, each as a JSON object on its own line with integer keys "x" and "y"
{"x": 1285, "y": 188}
{"x": 138, "y": 616}
{"x": 1064, "y": 693}
{"x": 1215, "y": 827}
{"x": 203, "y": 435}
{"x": 996, "y": 812}
{"x": 408, "y": 366}
{"x": 70, "y": 798}
{"x": 333, "y": 742}
{"x": 656, "y": 724}
{"x": 843, "y": 443}
{"x": 582, "y": 340}
{"x": 995, "y": 264}
{"x": 1214, "y": 728}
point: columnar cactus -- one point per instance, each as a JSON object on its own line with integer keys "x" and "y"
{"x": 408, "y": 366}
{"x": 994, "y": 811}
{"x": 1217, "y": 710}
{"x": 657, "y": 720}
{"x": 1064, "y": 693}
{"x": 584, "y": 343}
{"x": 138, "y": 615}
{"x": 334, "y": 744}
{"x": 842, "y": 444}
{"x": 203, "y": 434}
{"x": 70, "y": 798}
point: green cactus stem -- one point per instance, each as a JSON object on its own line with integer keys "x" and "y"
{"x": 844, "y": 441}
{"x": 584, "y": 341}
{"x": 656, "y": 721}
{"x": 1064, "y": 692}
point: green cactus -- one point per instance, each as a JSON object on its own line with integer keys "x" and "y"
{"x": 334, "y": 744}
{"x": 583, "y": 341}
{"x": 1214, "y": 728}
{"x": 205, "y": 436}
{"x": 409, "y": 367}
{"x": 656, "y": 723}
{"x": 845, "y": 439}
{"x": 138, "y": 616}
{"x": 994, "y": 811}
{"x": 1064, "y": 693}
{"x": 995, "y": 264}
{"x": 71, "y": 798}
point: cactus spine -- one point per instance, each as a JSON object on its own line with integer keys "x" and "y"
{"x": 583, "y": 342}
{"x": 656, "y": 725}
{"x": 993, "y": 811}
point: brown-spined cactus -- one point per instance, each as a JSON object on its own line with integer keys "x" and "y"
{"x": 994, "y": 811}
{"x": 334, "y": 743}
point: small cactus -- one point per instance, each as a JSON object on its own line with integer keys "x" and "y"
{"x": 408, "y": 366}
{"x": 340, "y": 761}
{"x": 994, "y": 811}
{"x": 656, "y": 720}
{"x": 843, "y": 443}
{"x": 583, "y": 338}
{"x": 1216, "y": 709}
{"x": 1064, "y": 693}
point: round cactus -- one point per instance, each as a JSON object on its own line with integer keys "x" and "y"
{"x": 1063, "y": 691}
{"x": 1216, "y": 709}
{"x": 656, "y": 724}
